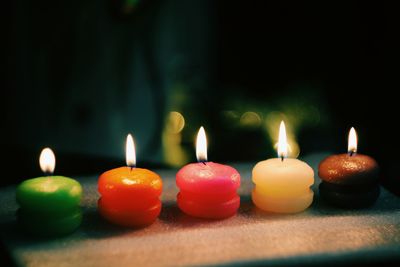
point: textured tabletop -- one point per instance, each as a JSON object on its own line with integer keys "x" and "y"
{"x": 318, "y": 235}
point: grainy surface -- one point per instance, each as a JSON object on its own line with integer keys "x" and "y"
{"x": 321, "y": 234}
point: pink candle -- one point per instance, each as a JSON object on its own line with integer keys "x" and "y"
{"x": 207, "y": 189}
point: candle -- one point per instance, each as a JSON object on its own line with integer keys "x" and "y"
{"x": 130, "y": 195}
{"x": 350, "y": 180}
{"x": 49, "y": 206}
{"x": 207, "y": 189}
{"x": 282, "y": 185}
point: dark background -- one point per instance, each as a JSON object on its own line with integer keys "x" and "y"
{"x": 80, "y": 75}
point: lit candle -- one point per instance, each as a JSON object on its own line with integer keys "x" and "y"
{"x": 282, "y": 184}
{"x": 130, "y": 195}
{"x": 49, "y": 206}
{"x": 207, "y": 189}
{"x": 350, "y": 180}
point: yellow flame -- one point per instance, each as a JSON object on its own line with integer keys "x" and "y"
{"x": 272, "y": 122}
{"x": 282, "y": 141}
{"x": 130, "y": 153}
{"x": 47, "y": 160}
{"x": 201, "y": 145}
{"x": 352, "y": 143}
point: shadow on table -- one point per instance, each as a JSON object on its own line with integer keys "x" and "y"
{"x": 11, "y": 231}
{"x": 387, "y": 202}
{"x": 94, "y": 226}
{"x": 173, "y": 216}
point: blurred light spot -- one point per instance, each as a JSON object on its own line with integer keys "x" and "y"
{"x": 294, "y": 148}
{"x": 173, "y": 151}
{"x": 175, "y": 122}
{"x": 230, "y": 114}
{"x": 250, "y": 119}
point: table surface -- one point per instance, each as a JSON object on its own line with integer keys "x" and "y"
{"x": 321, "y": 234}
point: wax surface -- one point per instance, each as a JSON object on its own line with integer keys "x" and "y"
{"x": 350, "y": 197}
{"x": 52, "y": 194}
{"x": 282, "y": 186}
{"x": 349, "y": 170}
{"x": 209, "y": 178}
{"x": 48, "y": 225}
{"x": 49, "y": 206}
{"x": 286, "y": 173}
{"x": 349, "y": 181}
{"x": 125, "y": 182}
{"x": 284, "y": 204}
{"x": 129, "y": 216}
{"x": 208, "y": 190}
{"x": 130, "y": 196}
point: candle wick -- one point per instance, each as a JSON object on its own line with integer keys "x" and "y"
{"x": 282, "y": 157}
{"x": 351, "y": 153}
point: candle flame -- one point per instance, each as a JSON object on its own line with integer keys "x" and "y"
{"x": 282, "y": 141}
{"x": 130, "y": 153}
{"x": 352, "y": 143}
{"x": 47, "y": 161}
{"x": 201, "y": 145}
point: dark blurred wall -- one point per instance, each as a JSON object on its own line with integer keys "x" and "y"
{"x": 339, "y": 58}
{"x": 83, "y": 74}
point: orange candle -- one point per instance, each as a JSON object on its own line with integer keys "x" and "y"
{"x": 130, "y": 195}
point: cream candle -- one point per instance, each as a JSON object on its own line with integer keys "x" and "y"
{"x": 282, "y": 184}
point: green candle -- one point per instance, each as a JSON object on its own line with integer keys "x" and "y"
{"x": 49, "y": 206}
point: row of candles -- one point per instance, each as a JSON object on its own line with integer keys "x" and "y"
{"x": 130, "y": 196}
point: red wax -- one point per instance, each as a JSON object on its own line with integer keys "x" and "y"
{"x": 130, "y": 196}
{"x": 208, "y": 190}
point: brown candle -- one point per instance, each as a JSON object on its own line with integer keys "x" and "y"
{"x": 349, "y": 180}
{"x": 349, "y": 169}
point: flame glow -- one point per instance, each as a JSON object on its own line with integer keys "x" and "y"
{"x": 352, "y": 143}
{"x": 201, "y": 145}
{"x": 47, "y": 161}
{"x": 130, "y": 153}
{"x": 282, "y": 141}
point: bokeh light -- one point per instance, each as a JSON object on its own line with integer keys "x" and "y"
{"x": 174, "y": 154}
